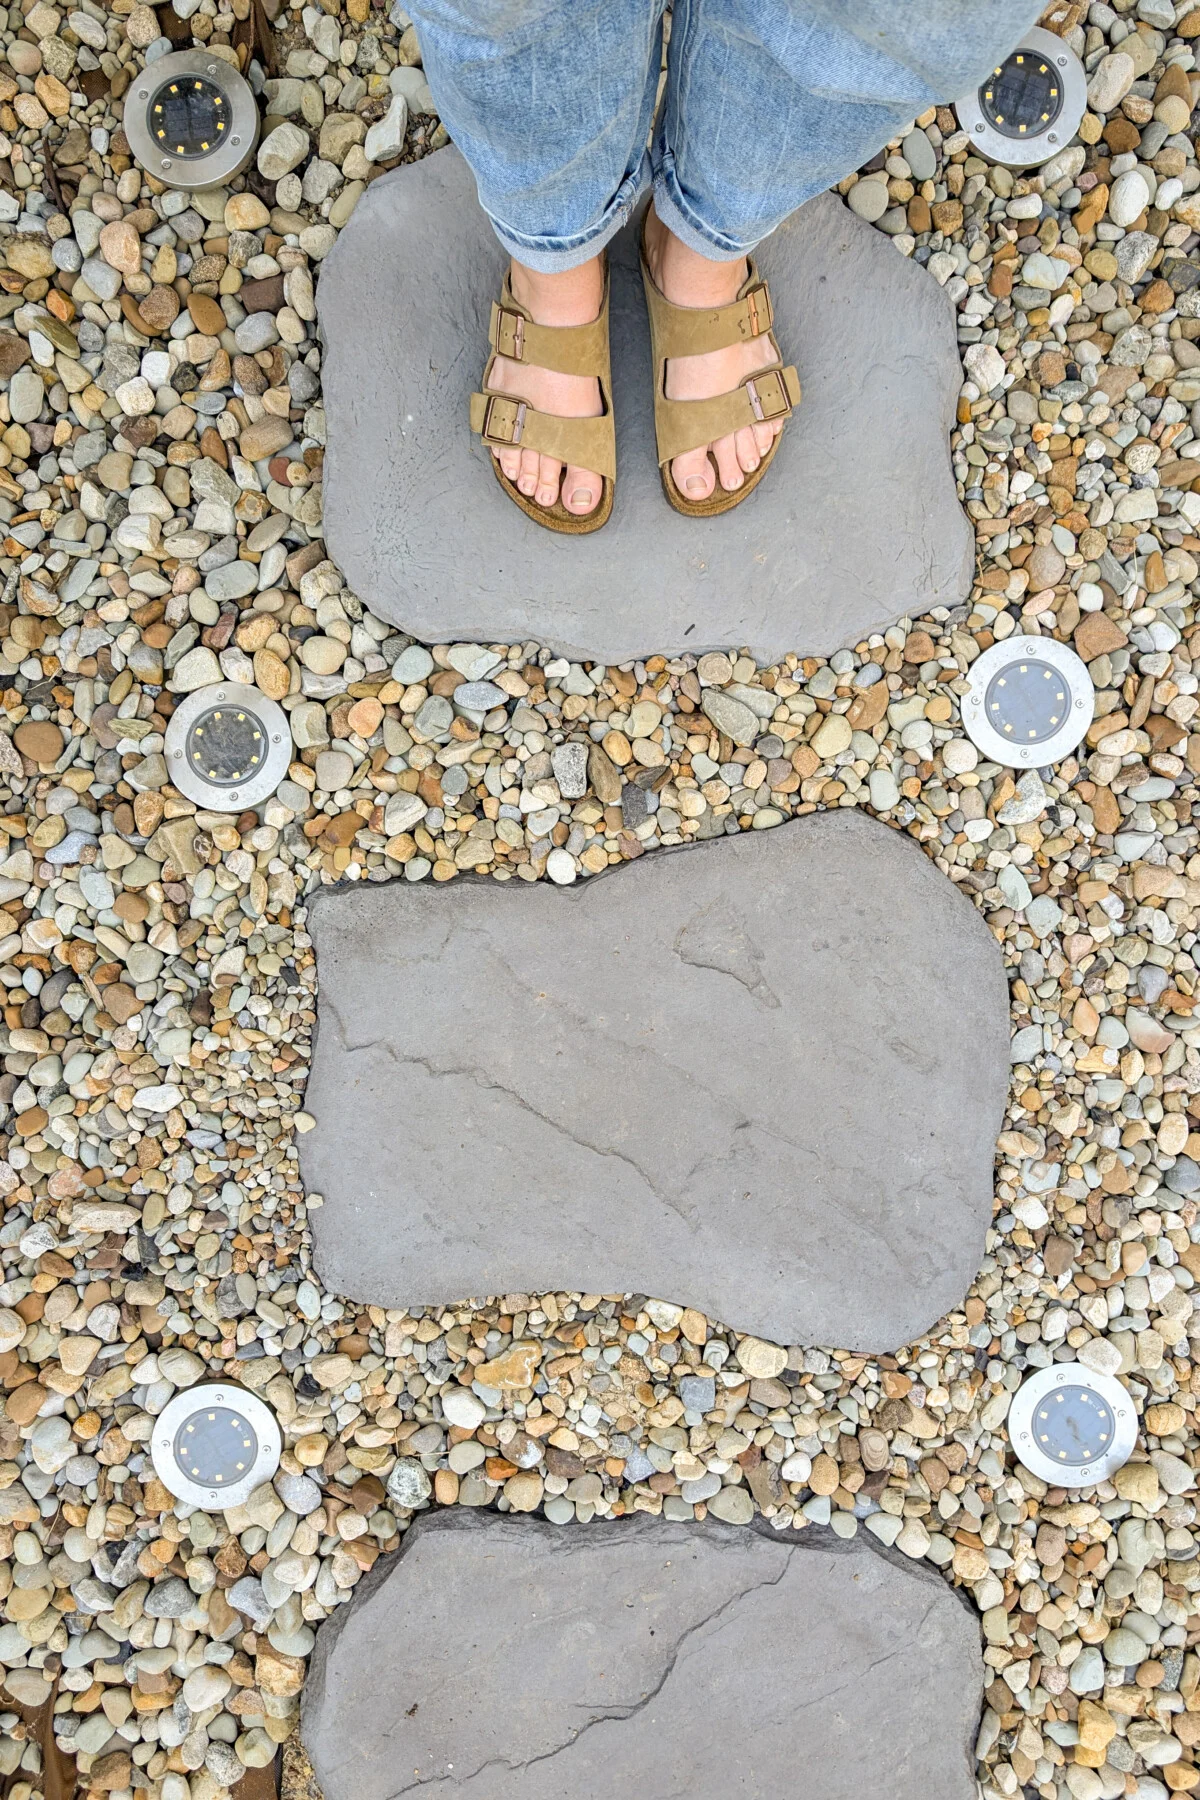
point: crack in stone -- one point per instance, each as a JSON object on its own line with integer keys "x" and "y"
{"x": 483, "y": 1079}
{"x": 616, "y": 1713}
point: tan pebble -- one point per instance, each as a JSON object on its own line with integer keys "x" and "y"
{"x": 27, "y": 1603}
{"x": 970, "y": 1564}
{"x": 39, "y": 740}
{"x": 694, "y": 1326}
{"x": 264, "y": 438}
{"x": 365, "y": 717}
{"x": 309, "y": 1450}
{"x": 246, "y": 212}
{"x": 760, "y": 1360}
{"x": 524, "y": 1491}
{"x": 514, "y": 1369}
{"x": 1138, "y": 1482}
{"x": 825, "y": 1476}
{"x": 445, "y": 1487}
{"x": 207, "y": 316}
{"x": 271, "y": 674}
{"x": 76, "y": 1354}
{"x": 323, "y": 655}
{"x": 121, "y": 247}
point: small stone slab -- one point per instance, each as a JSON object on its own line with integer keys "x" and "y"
{"x": 509, "y": 1659}
{"x": 856, "y": 525}
{"x": 762, "y": 1076}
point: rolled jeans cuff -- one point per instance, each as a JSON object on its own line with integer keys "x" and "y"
{"x": 672, "y": 208}
{"x": 554, "y": 255}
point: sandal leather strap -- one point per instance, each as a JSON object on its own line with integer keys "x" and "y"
{"x": 695, "y": 330}
{"x": 568, "y": 349}
{"x": 683, "y": 425}
{"x": 505, "y": 420}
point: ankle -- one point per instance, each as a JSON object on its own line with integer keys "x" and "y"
{"x": 684, "y": 275}
{"x": 571, "y": 297}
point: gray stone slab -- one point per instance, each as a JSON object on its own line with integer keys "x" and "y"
{"x": 856, "y": 525}
{"x": 762, "y": 1076}
{"x": 508, "y": 1659}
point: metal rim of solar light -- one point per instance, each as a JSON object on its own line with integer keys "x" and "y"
{"x": 214, "y": 1445}
{"x": 1046, "y": 79}
{"x": 247, "y": 758}
{"x": 1098, "y": 1430}
{"x": 191, "y": 120}
{"x": 1061, "y": 712}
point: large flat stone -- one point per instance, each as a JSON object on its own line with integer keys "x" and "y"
{"x": 857, "y": 524}
{"x": 762, "y": 1076}
{"x": 509, "y": 1659}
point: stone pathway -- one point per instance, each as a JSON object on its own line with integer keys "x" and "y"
{"x": 160, "y": 499}
{"x": 501, "y": 1659}
{"x": 857, "y": 526}
{"x": 765, "y": 1076}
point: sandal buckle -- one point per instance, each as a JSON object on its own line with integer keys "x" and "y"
{"x": 768, "y": 396}
{"x": 504, "y": 420}
{"x": 510, "y": 333}
{"x": 758, "y": 303}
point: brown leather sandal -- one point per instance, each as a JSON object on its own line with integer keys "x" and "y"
{"x": 683, "y": 425}
{"x": 505, "y": 419}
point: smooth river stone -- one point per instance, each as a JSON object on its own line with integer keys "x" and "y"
{"x": 500, "y": 1658}
{"x": 761, "y": 1076}
{"x": 856, "y": 524}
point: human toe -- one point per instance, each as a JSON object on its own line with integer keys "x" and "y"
{"x": 549, "y": 476}
{"x": 510, "y": 463}
{"x": 728, "y": 468}
{"x": 531, "y": 464}
{"x": 693, "y": 474}
{"x": 764, "y": 437}
{"x": 581, "y": 491}
{"x": 748, "y": 454}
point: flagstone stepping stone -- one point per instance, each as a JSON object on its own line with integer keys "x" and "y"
{"x": 857, "y": 525}
{"x": 509, "y": 1659}
{"x": 762, "y": 1077}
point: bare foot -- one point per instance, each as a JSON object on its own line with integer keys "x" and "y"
{"x": 572, "y": 298}
{"x": 688, "y": 279}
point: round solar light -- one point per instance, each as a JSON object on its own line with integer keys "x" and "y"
{"x": 1071, "y": 1426}
{"x": 213, "y": 1445}
{"x": 228, "y": 746}
{"x": 1029, "y": 702}
{"x": 191, "y": 120}
{"x": 1030, "y": 105}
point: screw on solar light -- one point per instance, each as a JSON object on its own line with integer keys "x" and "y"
{"x": 1029, "y": 702}
{"x": 228, "y": 745}
{"x": 1030, "y": 104}
{"x": 213, "y": 1445}
{"x": 192, "y": 119}
{"x": 1071, "y": 1426}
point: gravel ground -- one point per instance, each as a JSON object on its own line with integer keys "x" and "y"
{"x": 160, "y": 464}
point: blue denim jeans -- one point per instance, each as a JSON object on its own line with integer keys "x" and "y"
{"x": 767, "y": 102}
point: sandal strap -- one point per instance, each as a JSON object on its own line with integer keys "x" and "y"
{"x": 505, "y": 420}
{"x": 683, "y": 425}
{"x": 568, "y": 349}
{"x": 695, "y": 330}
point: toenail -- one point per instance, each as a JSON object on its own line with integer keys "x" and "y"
{"x": 695, "y": 484}
{"x": 582, "y": 497}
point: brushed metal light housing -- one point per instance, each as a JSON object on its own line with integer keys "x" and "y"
{"x": 191, "y": 120}
{"x": 1071, "y": 1426}
{"x": 227, "y": 746}
{"x": 1030, "y": 106}
{"x": 1029, "y": 702}
{"x": 213, "y": 1445}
